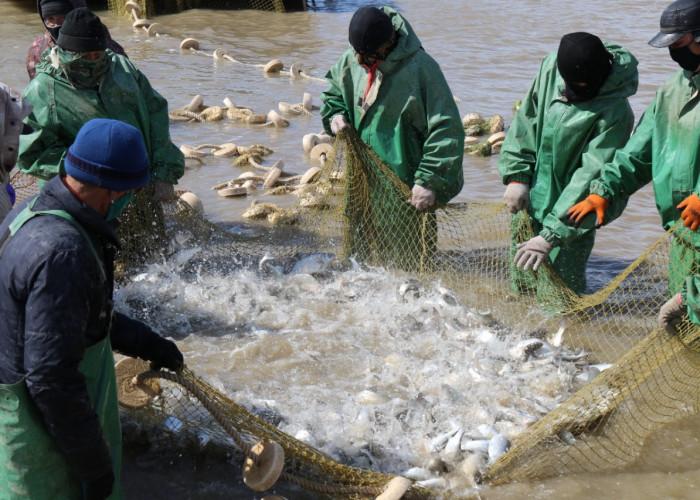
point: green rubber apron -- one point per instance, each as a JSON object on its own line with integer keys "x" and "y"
{"x": 31, "y": 465}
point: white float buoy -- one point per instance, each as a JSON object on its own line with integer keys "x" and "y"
{"x": 194, "y": 202}
{"x": 274, "y": 66}
{"x": 189, "y": 43}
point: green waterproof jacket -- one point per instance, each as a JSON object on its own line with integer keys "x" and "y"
{"x": 60, "y": 110}
{"x": 409, "y": 118}
{"x": 558, "y": 147}
{"x": 665, "y": 149}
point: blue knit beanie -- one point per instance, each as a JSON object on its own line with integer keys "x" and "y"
{"x": 109, "y": 154}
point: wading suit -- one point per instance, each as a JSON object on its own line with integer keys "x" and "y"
{"x": 665, "y": 149}
{"x": 410, "y": 120}
{"x": 60, "y": 110}
{"x": 59, "y": 420}
{"x": 558, "y": 147}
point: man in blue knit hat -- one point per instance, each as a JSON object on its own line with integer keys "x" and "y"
{"x": 59, "y": 418}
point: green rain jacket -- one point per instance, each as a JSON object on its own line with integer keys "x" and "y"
{"x": 559, "y": 147}
{"x": 665, "y": 149}
{"x": 410, "y": 118}
{"x": 60, "y": 110}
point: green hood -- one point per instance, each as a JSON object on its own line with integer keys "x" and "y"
{"x": 407, "y": 44}
{"x": 624, "y": 78}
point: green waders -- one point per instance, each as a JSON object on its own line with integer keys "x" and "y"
{"x": 31, "y": 465}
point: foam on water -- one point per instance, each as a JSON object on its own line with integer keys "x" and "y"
{"x": 368, "y": 366}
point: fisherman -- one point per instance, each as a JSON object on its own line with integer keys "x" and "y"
{"x": 396, "y": 97}
{"x": 573, "y": 118}
{"x": 53, "y": 13}
{"x": 665, "y": 150}
{"x": 12, "y": 111}
{"x": 80, "y": 80}
{"x": 59, "y": 418}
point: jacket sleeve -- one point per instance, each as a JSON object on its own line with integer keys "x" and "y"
{"x": 519, "y": 151}
{"x": 55, "y": 327}
{"x": 41, "y": 152}
{"x": 333, "y": 99}
{"x": 132, "y": 337}
{"x": 611, "y": 134}
{"x": 167, "y": 163}
{"x": 630, "y": 169}
{"x": 440, "y": 167}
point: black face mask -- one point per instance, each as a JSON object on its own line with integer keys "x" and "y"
{"x": 685, "y": 58}
{"x": 54, "y": 32}
{"x": 578, "y": 93}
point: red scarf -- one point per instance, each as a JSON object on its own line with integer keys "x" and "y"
{"x": 372, "y": 70}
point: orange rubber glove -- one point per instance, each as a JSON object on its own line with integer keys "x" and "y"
{"x": 592, "y": 203}
{"x": 691, "y": 211}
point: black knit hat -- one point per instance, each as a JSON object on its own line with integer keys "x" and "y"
{"x": 55, "y": 7}
{"x": 82, "y": 31}
{"x": 582, "y": 57}
{"x": 370, "y": 28}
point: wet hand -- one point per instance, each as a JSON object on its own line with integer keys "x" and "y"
{"x": 532, "y": 253}
{"x": 690, "y": 212}
{"x": 422, "y": 198}
{"x": 592, "y": 203}
{"x": 671, "y": 313}
{"x": 517, "y": 196}
{"x": 338, "y": 123}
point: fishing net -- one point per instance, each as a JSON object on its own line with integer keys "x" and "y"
{"x": 151, "y": 8}
{"x": 469, "y": 247}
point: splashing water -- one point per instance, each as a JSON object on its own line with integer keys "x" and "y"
{"x": 369, "y": 366}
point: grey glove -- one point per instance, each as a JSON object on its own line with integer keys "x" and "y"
{"x": 517, "y": 196}
{"x": 532, "y": 253}
{"x": 671, "y": 313}
{"x": 422, "y": 198}
{"x": 338, "y": 123}
{"x": 163, "y": 191}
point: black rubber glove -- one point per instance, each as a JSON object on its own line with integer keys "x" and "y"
{"x": 100, "y": 488}
{"x": 164, "y": 354}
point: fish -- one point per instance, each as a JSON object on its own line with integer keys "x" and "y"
{"x": 417, "y": 474}
{"x": 498, "y": 445}
{"x": 437, "y": 483}
{"x": 314, "y": 263}
{"x": 557, "y": 338}
{"x": 439, "y": 442}
{"x": 525, "y": 348}
{"x": 452, "y": 448}
{"x": 476, "y": 446}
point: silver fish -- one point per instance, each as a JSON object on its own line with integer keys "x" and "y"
{"x": 452, "y": 448}
{"x": 438, "y": 483}
{"x": 476, "y": 446}
{"x": 314, "y": 263}
{"x": 417, "y": 474}
{"x": 498, "y": 445}
{"x": 525, "y": 348}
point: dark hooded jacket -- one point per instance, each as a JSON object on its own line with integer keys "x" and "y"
{"x": 54, "y": 304}
{"x": 46, "y": 41}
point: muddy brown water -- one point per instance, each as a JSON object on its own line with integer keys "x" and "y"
{"x": 489, "y": 52}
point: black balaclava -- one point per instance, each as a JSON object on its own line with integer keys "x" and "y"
{"x": 582, "y": 58}
{"x": 370, "y": 28}
{"x": 54, "y": 8}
